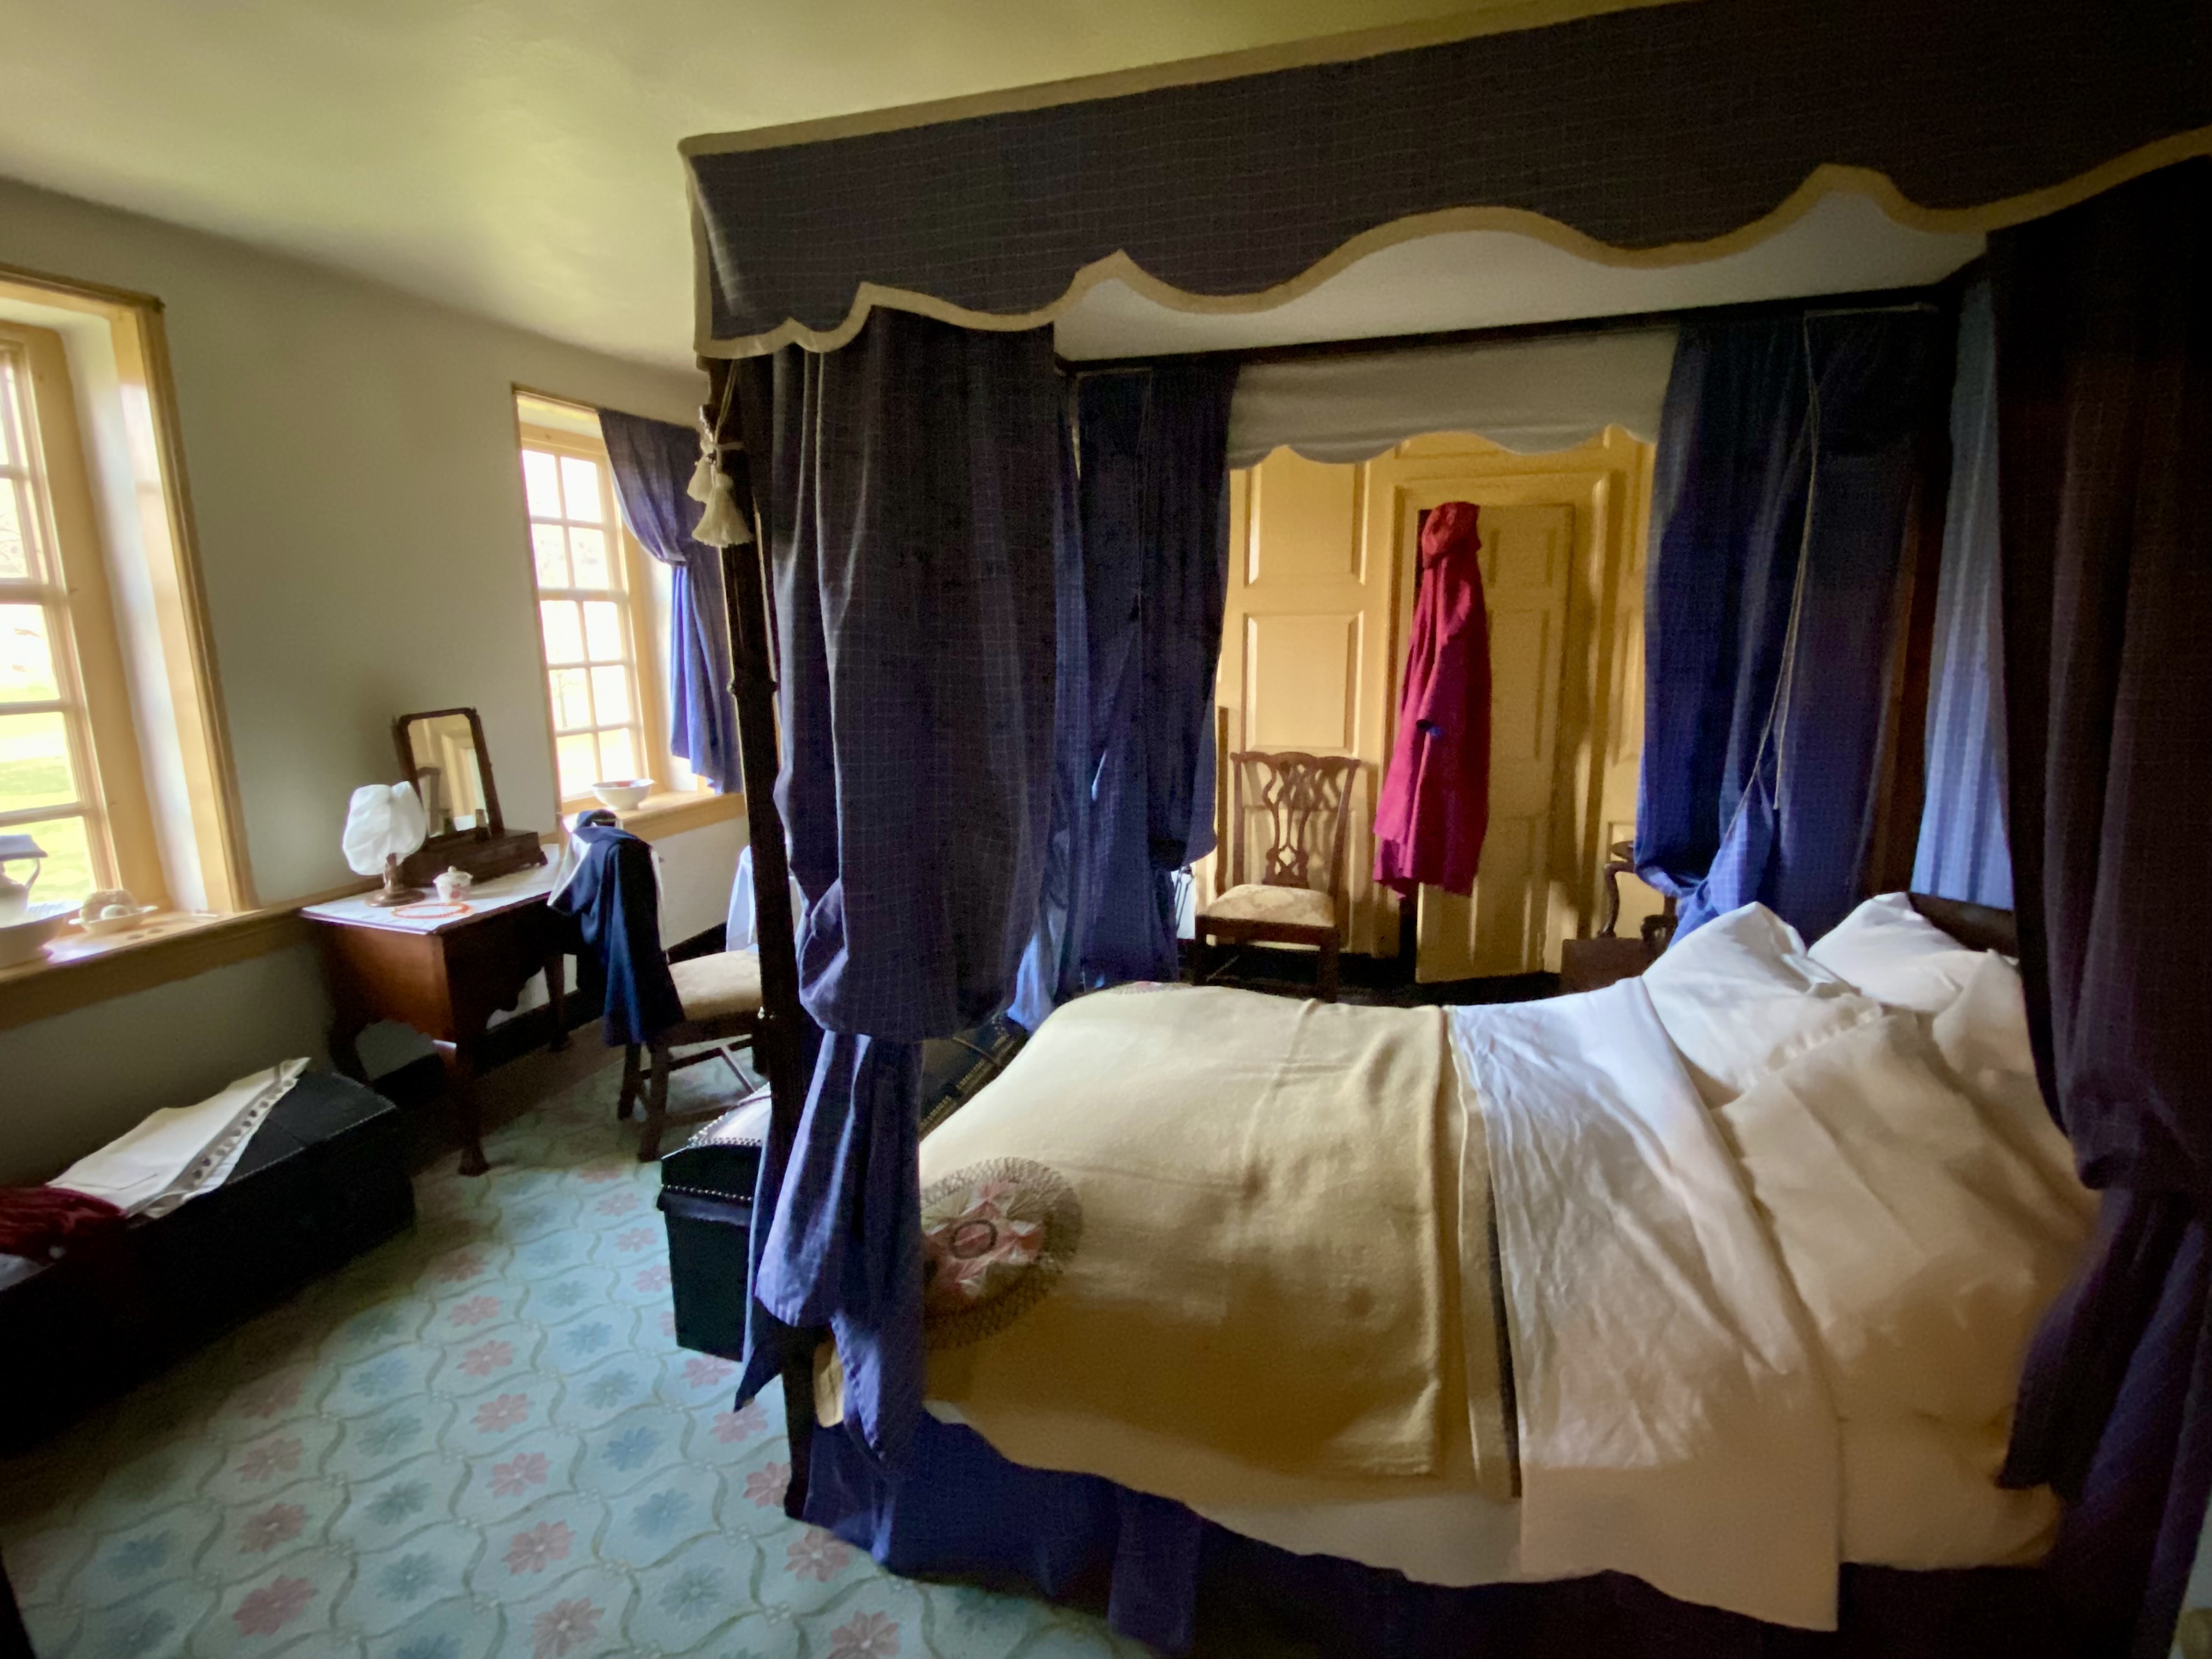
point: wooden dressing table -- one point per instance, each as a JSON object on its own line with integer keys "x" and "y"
{"x": 444, "y": 969}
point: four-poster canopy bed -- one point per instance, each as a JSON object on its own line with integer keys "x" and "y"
{"x": 957, "y": 787}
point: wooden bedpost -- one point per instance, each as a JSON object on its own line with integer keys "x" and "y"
{"x": 776, "y": 1042}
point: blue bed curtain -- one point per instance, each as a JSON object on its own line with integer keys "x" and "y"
{"x": 1787, "y": 458}
{"x": 652, "y": 462}
{"x": 2104, "y": 327}
{"x": 1962, "y": 853}
{"x": 909, "y": 501}
{"x": 1151, "y": 494}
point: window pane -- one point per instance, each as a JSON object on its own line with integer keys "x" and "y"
{"x": 580, "y": 484}
{"x": 603, "y": 630}
{"x": 552, "y": 560}
{"x": 67, "y": 873}
{"x": 542, "y": 482}
{"x": 617, "y": 755}
{"x": 14, "y": 553}
{"x": 564, "y": 631}
{"x": 589, "y": 548}
{"x": 611, "y": 692}
{"x": 26, "y": 662}
{"x": 572, "y": 698}
{"x": 34, "y": 762}
{"x": 7, "y": 407}
{"x": 580, "y": 764}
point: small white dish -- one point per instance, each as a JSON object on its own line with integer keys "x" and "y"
{"x": 101, "y": 926}
{"x": 20, "y": 939}
{"x": 624, "y": 795}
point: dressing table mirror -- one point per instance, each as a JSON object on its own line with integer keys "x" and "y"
{"x": 442, "y": 753}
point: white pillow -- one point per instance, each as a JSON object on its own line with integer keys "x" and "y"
{"x": 1739, "y": 996}
{"x": 1895, "y": 955}
{"x": 1925, "y": 1239}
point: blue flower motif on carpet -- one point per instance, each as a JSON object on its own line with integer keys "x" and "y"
{"x": 380, "y": 1377}
{"x": 587, "y": 1339}
{"x": 441, "y": 1646}
{"x": 657, "y": 1517}
{"x": 407, "y": 1577}
{"x": 139, "y": 1556}
{"x": 570, "y": 1293}
{"x": 693, "y": 1593}
{"x": 390, "y": 1435}
{"x": 139, "y": 1635}
{"x": 396, "y": 1503}
{"x": 629, "y": 1449}
{"x": 603, "y": 1391}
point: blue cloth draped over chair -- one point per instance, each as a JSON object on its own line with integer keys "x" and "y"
{"x": 1787, "y": 458}
{"x": 1962, "y": 853}
{"x": 652, "y": 463}
{"x": 910, "y": 511}
{"x": 2104, "y": 323}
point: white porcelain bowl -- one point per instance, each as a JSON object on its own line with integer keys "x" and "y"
{"x": 20, "y": 939}
{"x": 623, "y": 794}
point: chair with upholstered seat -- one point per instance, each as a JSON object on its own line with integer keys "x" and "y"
{"x": 721, "y": 999}
{"x": 1303, "y": 804}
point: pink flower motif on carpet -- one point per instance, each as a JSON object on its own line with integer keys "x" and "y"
{"x": 474, "y": 1311}
{"x": 519, "y": 1474}
{"x": 702, "y": 1369}
{"x": 814, "y": 1554}
{"x": 562, "y": 1627}
{"x": 654, "y": 1278}
{"x": 268, "y": 1457}
{"x": 749, "y": 1419}
{"x": 599, "y": 1174}
{"x": 459, "y": 1266}
{"x": 765, "y": 1485}
{"x": 540, "y": 1547}
{"x": 267, "y": 1398}
{"x": 259, "y": 1534}
{"x": 963, "y": 1247}
{"x": 636, "y": 1238}
{"x": 487, "y": 1357}
{"x": 667, "y": 1322}
{"x": 624, "y": 1202}
{"x": 870, "y": 1636}
{"x": 273, "y": 1605}
{"x": 503, "y": 1413}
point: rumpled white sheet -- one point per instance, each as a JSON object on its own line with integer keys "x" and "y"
{"x": 181, "y": 1151}
{"x": 1674, "y": 1423}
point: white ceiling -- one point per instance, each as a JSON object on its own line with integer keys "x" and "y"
{"x": 517, "y": 158}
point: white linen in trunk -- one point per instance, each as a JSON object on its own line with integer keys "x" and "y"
{"x": 181, "y": 1151}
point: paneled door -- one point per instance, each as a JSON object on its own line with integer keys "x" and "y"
{"x": 1306, "y": 643}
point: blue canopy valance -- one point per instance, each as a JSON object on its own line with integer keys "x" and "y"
{"x": 1632, "y": 135}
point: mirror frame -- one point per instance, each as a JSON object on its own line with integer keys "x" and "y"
{"x": 411, "y": 769}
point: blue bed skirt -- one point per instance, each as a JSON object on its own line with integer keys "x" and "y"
{"x": 1181, "y": 1584}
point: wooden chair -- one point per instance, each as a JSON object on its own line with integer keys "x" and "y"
{"x": 721, "y": 997}
{"x": 1591, "y": 964}
{"x": 1307, "y": 799}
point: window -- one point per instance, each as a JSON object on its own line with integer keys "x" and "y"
{"x": 69, "y": 756}
{"x": 593, "y": 608}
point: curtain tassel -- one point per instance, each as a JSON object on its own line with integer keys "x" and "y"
{"x": 702, "y": 486}
{"x": 722, "y": 525}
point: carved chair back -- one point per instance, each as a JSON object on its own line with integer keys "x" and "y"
{"x": 1305, "y": 801}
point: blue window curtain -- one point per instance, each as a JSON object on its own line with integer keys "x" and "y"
{"x": 1786, "y": 462}
{"x": 1962, "y": 853}
{"x": 652, "y": 462}
{"x": 2104, "y": 327}
{"x": 910, "y": 505}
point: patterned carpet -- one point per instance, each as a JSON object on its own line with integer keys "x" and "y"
{"x": 480, "y": 1440}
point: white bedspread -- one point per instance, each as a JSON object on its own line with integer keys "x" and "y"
{"x": 1674, "y": 1423}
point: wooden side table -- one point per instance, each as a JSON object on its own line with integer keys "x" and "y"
{"x": 444, "y": 970}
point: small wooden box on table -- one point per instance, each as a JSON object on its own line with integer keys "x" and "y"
{"x": 444, "y": 969}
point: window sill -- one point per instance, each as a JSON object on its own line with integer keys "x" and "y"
{"x": 657, "y": 817}
{"x": 77, "y": 972}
